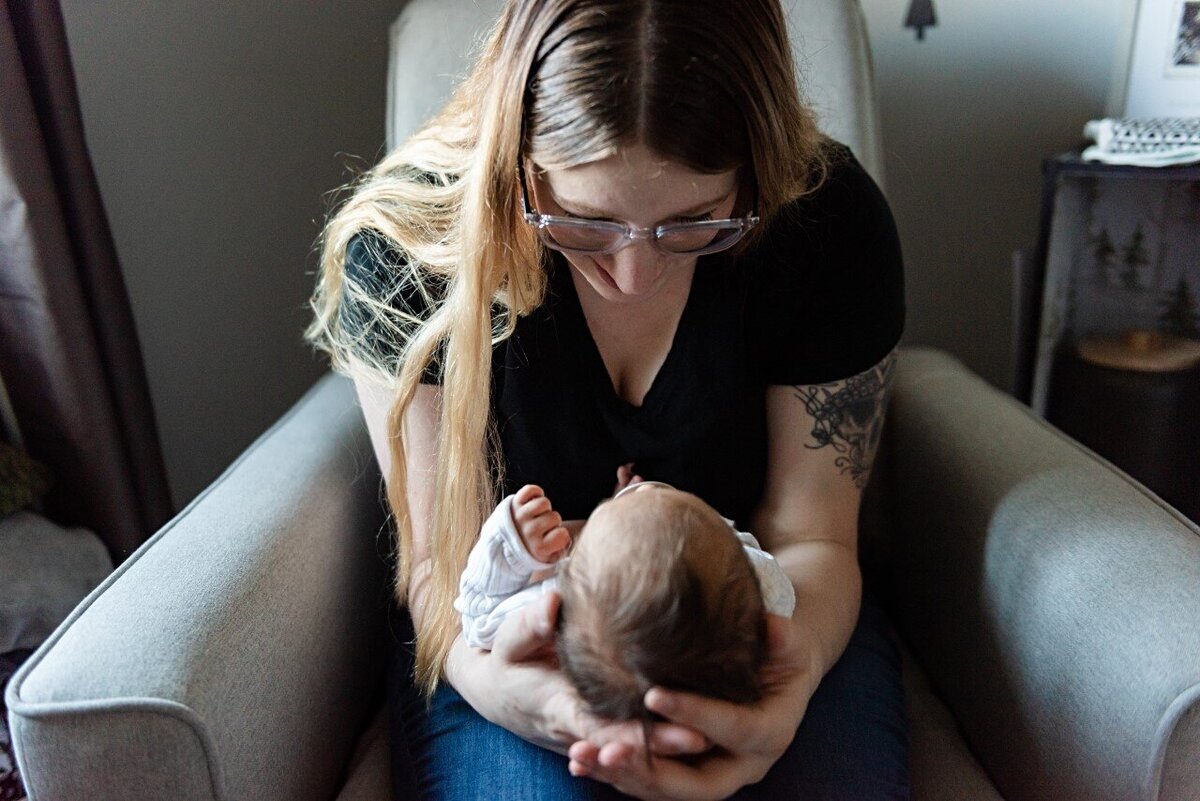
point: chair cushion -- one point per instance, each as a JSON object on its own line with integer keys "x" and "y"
{"x": 943, "y": 768}
{"x": 1053, "y": 601}
{"x": 369, "y": 776}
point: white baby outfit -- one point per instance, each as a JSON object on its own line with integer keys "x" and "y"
{"x": 495, "y": 582}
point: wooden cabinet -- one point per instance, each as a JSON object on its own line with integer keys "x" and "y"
{"x": 1118, "y": 252}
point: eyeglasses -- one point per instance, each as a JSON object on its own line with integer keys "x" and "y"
{"x": 602, "y": 237}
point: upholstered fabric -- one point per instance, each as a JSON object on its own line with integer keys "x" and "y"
{"x": 432, "y": 41}
{"x": 369, "y": 774}
{"x": 236, "y": 654}
{"x": 943, "y": 768}
{"x": 1054, "y": 601}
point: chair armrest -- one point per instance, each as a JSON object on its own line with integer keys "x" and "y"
{"x": 1054, "y": 601}
{"x": 238, "y": 653}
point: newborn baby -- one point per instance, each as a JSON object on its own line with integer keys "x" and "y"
{"x": 658, "y": 589}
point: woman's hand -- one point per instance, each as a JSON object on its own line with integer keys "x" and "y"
{"x": 749, "y": 738}
{"x": 518, "y": 685}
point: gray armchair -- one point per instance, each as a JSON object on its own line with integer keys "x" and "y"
{"x": 1048, "y": 605}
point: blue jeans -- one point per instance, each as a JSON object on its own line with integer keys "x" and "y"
{"x": 851, "y": 746}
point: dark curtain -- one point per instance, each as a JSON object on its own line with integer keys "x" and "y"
{"x": 69, "y": 352}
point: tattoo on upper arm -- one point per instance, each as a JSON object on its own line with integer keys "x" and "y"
{"x": 848, "y": 416}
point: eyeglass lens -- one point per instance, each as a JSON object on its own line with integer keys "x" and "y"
{"x": 674, "y": 240}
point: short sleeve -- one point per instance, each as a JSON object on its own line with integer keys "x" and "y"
{"x": 825, "y": 284}
{"x": 378, "y": 332}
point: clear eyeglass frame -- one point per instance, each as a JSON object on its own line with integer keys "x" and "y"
{"x": 724, "y": 233}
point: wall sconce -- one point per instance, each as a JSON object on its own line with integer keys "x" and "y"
{"x": 920, "y": 17}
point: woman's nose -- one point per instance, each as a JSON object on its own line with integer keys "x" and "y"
{"x": 636, "y": 267}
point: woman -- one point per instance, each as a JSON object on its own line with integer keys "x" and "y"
{"x": 624, "y": 241}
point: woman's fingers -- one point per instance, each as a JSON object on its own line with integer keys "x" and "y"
{"x": 670, "y": 739}
{"x": 581, "y": 755}
{"x": 715, "y": 777}
{"x": 611, "y": 756}
{"x": 666, "y": 739}
{"x": 724, "y": 723}
{"x": 529, "y": 633}
{"x": 614, "y": 755}
{"x": 584, "y": 751}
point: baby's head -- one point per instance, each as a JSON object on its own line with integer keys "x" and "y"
{"x": 659, "y": 591}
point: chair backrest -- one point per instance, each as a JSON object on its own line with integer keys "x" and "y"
{"x": 431, "y": 42}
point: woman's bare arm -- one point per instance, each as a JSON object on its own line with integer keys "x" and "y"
{"x": 823, "y": 440}
{"x": 420, "y": 460}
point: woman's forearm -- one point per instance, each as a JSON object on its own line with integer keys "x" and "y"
{"x": 418, "y": 589}
{"x": 463, "y": 665}
{"x": 828, "y": 583}
{"x": 527, "y": 698}
{"x": 461, "y": 660}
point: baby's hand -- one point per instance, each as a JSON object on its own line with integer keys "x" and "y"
{"x": 625, "y": 477}
{"x": 540, "y": 527}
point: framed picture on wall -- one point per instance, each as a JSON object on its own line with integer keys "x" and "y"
{"x": 1157, "y": 69}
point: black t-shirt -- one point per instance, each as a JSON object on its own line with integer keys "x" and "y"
{"x": 819, "y": 298}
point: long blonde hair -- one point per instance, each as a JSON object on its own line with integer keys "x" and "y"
{"x": 708, "y": 84}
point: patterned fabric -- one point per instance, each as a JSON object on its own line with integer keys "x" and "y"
{"x": 11, "y": 788}
{"x": 1149, "y": 142}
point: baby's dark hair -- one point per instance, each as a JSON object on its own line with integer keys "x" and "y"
{"x": 662, "y": 593}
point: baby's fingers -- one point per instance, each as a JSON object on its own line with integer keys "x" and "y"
{"x": 528, "y": 512}
{"x": 557, "y": 540}
{"x": 543, "y": 525}
{"x": 624, "y": 472}
{"x": 527, "y": 493}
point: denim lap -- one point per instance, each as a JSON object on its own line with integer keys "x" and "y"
{"x": 851, "y": 746}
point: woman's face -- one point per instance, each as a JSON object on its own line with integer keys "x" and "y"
{"x": 637, "y": 187}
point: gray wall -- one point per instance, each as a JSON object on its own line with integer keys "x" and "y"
{"x": 216, "y": 128}
{"x": 968, "y": 115}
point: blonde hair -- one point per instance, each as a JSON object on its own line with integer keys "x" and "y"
{"x": 707, "y": 83}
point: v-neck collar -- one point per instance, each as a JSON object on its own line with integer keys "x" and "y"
{"x": 585, "y": 353}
